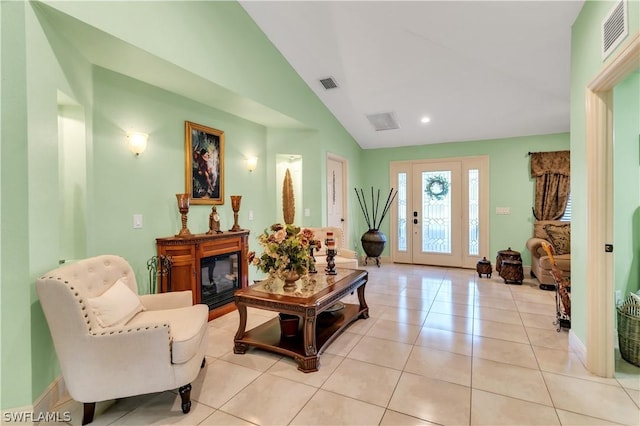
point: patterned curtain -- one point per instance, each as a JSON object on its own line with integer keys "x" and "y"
{"x": 552, "y": 172}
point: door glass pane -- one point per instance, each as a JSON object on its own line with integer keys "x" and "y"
{"x": 402, "y": 211}
{"x": 474, "y": 214}
{"x": 436, "y": 211}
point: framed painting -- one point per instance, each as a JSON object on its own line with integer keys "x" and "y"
{"x": 204, "y": 164}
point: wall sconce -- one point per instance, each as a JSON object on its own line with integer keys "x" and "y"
{"x": 137, "y": 142}
{"x": 252, "y": 162}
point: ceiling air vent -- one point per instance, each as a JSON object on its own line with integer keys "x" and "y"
{"x": 383, "y": 121}
{"x": 329, "y": 83}
{"x": 614, "y": 28}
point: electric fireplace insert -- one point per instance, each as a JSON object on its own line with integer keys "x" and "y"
{"x": 219, "y": 278}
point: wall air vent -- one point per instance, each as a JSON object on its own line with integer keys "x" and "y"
{"x": 329, "y": 83}
{"x": 614, "y": 28}
{"x": 383, "y": 121}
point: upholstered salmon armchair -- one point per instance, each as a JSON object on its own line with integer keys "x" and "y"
{"x": 112, "y": 343}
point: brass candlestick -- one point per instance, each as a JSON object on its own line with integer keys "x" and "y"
{"x": 235, "y": 206}
{"x": 183, "y": 207}
{"x": 331, "y": 262}
{"x": 330, "y": 242}
{"x": 312, "y": 260}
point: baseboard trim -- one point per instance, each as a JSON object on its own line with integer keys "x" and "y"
{"x": 43, "y": 407}
{"x": 578, "y": 347}
{"x": 526, "y": 269}
{"x": 54, "y": 395}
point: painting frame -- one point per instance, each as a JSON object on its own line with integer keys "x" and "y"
{"x": 204, "y": 164}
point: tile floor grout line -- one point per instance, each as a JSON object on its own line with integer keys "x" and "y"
{"x": 554, "y": 352}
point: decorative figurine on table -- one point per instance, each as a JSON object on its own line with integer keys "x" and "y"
{"x": 312, "y": 259}
{"x": 330, "y": 269}
{"x": 214, "y": 222}
{"x": 313, "y": 246}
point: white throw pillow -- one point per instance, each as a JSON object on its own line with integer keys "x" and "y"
{"x": 115, "y": 306}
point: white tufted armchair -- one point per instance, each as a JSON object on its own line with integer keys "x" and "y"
{"x": 112, "y": 343}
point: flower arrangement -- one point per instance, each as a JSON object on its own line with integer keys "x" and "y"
{"x": 287, "y": 248}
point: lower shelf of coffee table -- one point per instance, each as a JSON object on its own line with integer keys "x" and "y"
{"x": 328, "y": 325}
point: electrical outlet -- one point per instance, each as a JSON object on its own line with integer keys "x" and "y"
{"x": 250, "y": 214}
{"x": 618, "y": 297}
{"x": 503, "y": 210}
{"x": 307, "y": 212}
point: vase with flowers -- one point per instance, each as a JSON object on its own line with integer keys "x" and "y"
{"x": 286, "y": 252}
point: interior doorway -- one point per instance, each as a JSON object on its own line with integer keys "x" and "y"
{"x": 599, "y": 275}
{"x": 337, "y": 192}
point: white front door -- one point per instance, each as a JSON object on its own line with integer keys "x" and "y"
{"x": 440, "y": 216}
{"x": 435, "y": 214}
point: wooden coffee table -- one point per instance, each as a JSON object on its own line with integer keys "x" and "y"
{"x": 314, "y": 301}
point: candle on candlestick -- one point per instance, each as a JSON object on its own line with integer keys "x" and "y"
{"x": 330, "y": 241}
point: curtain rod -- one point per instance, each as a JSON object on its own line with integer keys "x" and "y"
{"x": 540, "y": 152}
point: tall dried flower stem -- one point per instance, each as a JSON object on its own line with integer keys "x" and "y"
{"x": 288, "y": 206}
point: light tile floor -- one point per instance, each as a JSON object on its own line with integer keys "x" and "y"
{"x": 441, "y": 346}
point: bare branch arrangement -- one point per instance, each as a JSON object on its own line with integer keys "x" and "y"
{"x": 372, "y": 217}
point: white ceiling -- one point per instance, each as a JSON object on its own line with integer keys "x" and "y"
{"x": 478, "y": 69}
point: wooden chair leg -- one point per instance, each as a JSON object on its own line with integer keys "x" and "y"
{"x": 89, "y": 410}
{"x": 185, "y": 395}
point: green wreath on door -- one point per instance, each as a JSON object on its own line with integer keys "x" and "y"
{"x": 437, "y": 187}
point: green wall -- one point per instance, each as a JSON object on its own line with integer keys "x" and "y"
{"x": 15, "y": 312}
{"x": 125, "y": 184}
{"x": 509, "y": 183}
{"x": 40, "y": 60}
{"x": 586, "y": 63}
{"x": 626, "y": 195}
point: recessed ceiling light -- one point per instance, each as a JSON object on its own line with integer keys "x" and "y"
{"x": 425, "y": 120}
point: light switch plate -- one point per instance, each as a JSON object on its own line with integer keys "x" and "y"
{"x": 137, "y": 221}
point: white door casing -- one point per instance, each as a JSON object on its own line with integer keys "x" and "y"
{"x": 599, "y": 274}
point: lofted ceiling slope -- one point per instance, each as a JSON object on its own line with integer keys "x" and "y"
{"x": 109, "y": 52}
{"x": 478, "y": 69}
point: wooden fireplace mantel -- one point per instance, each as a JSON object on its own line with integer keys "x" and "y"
{"x": 186, "y": 254}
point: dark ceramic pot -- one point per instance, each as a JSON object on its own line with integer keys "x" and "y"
{"x": 289, "y": 324}
{"x": 373, "y": 242}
